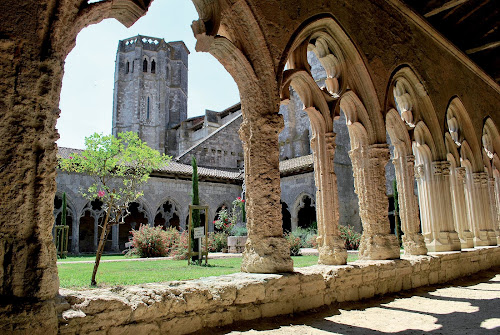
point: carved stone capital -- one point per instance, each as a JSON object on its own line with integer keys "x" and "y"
{"x": 461, "y": 172}
{"x": 441, "y": 168}
{"x": 410, "y": 159}
{"x": 419, "y": 171}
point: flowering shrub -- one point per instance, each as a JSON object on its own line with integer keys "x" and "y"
{"x": 151, "y": 241}
{"x": 180, "y": 250}
{"x": 295, "y": 244}
{"x": 311, "y": 241}
{"x": 224, "y": 222}
{"x": 350, "y": 236}
{"x": 217, "y": 241}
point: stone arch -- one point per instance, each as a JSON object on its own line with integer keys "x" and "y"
{"x": 409, "y": 97}
{"x": 341, "y": 59}
{"x": 398, "y": 132}
{"x": 490, "y": 145}
{"x": 167, "y": 214}
{"x": 224, "y": 204}
{"x": 460, "y": 128}
{"x": 358, "y": 122}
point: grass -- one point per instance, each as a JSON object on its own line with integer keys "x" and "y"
{"x": 77, "y": 275}
{"x": 91, "y": 258}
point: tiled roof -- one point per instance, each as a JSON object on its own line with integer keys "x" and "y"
{"x": 174, "y": 168}
{"x": 297, "y": 164}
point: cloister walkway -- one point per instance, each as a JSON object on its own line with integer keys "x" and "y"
{"x": 469, "y": 305}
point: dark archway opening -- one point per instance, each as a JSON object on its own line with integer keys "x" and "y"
{"x": 307, "y": 214}
{"x": 286, "y": 217}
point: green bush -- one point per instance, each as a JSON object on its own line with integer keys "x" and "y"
{"x": 239, "y": 231}
{"x": 350, "y": 237}
{"x": 295, "y": 244}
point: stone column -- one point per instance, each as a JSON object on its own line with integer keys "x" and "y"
{"x": 413, "y": 241}
{"x": 495, "y": 193}
{"x": 75, "y": 232}
{"x": 115, "y": 237}
{"x": 331, "y": 247}
{"x": 462, "y": 221}
{"x": 445, "y": 236}
{"x": 489, "y": 219}
{"x": 368, "y": 163}
{"x": 481, "y": 217}
{"x": 435, "y": 206}
{"x": 266, "y": 250}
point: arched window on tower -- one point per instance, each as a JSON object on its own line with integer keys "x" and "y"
{"x": 127, "y": 68}
{"x": 147, "y": 109}
{"x": 153, "y": 66}
{"x": 145, "y": 65}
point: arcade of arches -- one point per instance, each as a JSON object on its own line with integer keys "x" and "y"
{"x": 394, "y": 74}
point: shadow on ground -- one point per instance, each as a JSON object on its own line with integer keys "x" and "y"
{"x": 464, "y": 306}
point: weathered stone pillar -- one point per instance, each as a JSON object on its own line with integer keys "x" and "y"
{"x": 331, "y": 247}
{"x": 462, "y": 221}
{"x": 413, "y": 241}
{"x": 30, "y": 86}
{"x": 368, "y": 163}
{"x": 266, "y": 250}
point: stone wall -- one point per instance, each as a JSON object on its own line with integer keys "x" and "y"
{"x": 157, "y": 191}
{"x": 187, "y": 306}
{"x": 222, "y": 149}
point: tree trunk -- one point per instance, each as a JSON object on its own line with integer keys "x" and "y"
{"x": 100, "y": 247}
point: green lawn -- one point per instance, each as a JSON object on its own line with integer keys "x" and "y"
{"x": 137, "y": 272}
{"x": 91, "y": 258}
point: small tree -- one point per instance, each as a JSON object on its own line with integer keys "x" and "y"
{"x": 119, "y": 167}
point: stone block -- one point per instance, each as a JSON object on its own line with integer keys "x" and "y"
{"x": 366, "y": 291}
{"x": 134, "y": 329}
{"x": 250, "y": 293}
{"x": 249, "y": 312}
{"x": 217, "y": 318}
{"x": 276, "y": 308}
{"x": 180, "y": 325}
{"x": 310, "y": 302}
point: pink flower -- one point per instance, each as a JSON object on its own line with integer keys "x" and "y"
{"x": 238, "y": 198}
{"x": 101, "y": 194}
{"x": 215, "y": 221}
{"x": 70, "y": 157}
{"x": 242, "y": 200}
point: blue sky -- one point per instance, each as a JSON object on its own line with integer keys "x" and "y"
{"x": 87, "y": 92}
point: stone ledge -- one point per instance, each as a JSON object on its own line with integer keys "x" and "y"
{"x": 186, "y": 306}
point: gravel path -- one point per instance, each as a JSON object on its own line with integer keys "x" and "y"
{"x": 465, "y": 306}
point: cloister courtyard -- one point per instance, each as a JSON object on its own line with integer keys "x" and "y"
{"x": 415, "y": 85}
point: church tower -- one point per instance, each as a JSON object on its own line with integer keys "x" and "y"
{"x": 150, "y": 92}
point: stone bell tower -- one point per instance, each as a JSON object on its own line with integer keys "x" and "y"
{"x": 150, "y": 92}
